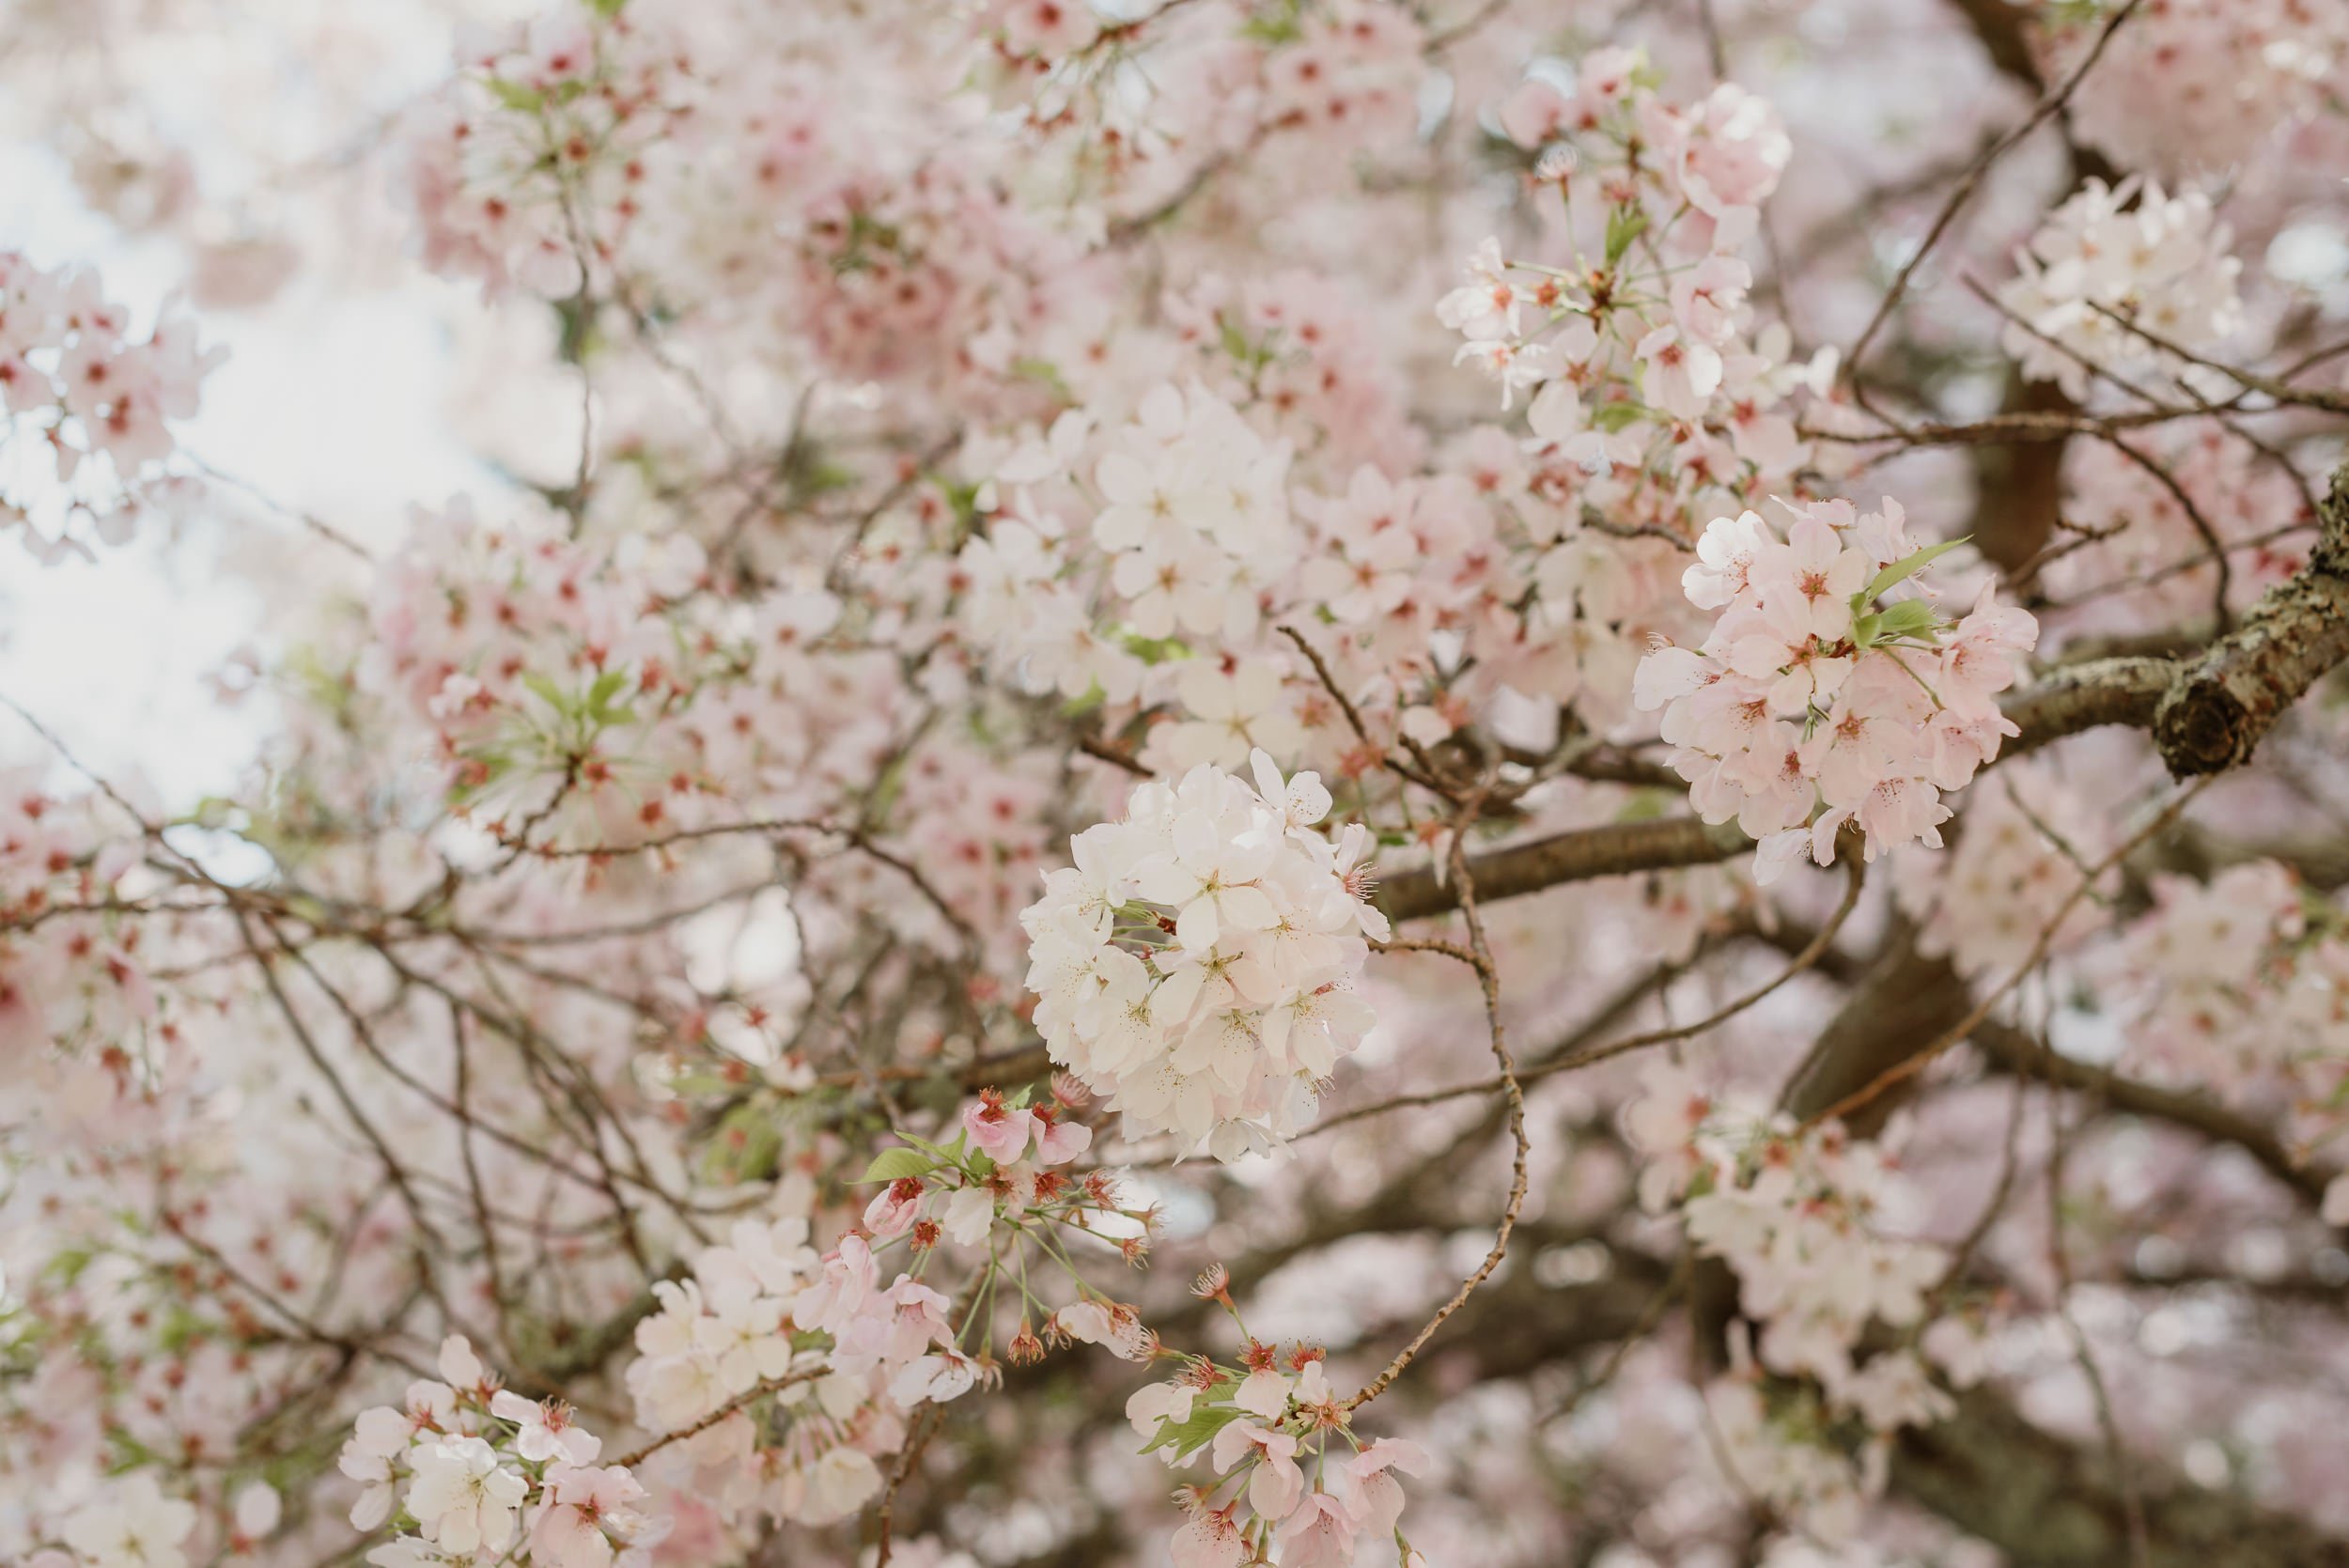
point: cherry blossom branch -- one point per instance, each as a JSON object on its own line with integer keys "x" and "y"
{"x": 2018, "y": 1051}
{"x": 764, "y": 1387}
{"x": 1488, "y": 981}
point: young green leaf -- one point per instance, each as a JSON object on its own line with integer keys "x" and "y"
{"x": 1906, "y": 567}
{"x": 1623, "y": 224}
{"x": 896, "y": 1164}
{"x": 1187, "y": 1437}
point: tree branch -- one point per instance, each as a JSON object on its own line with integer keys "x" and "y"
{"x": 2215, "y": 714}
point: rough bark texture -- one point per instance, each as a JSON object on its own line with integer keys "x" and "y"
{"x": 2216, "y": 712}
{"x": 2076, "y": 697}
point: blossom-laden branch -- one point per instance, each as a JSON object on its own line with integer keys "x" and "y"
{"x": 755, "y": 919}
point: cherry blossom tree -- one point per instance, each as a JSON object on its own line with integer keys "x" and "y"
{"x": 1303, "y": 782}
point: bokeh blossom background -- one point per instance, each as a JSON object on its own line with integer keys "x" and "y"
{"x": 985, "y": 782}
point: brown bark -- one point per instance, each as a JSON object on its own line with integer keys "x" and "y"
{"x": 2215, "y": 714}
{"x": 2079, "y": 697}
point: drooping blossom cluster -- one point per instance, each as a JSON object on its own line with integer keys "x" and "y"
{"x": 465, "y": 1470}
{"x": 1806, "y": 1218}
{"x": 2111, "y": 286}
{"x": 1197, "y": 965}
{"x": 1267, "y": 1427}
{"x": 95, "y": 400}
{"x": 1799, "y": 1215}
{"x": 787, "y": 1379}
{"x": 1637, "y": 340}
{"x": 729, "y": 1336}
{"x": 1830, "y": 681}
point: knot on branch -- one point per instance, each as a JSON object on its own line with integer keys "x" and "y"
{"x": 2219, "y": 708}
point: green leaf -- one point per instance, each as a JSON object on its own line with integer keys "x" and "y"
{"x": 896, "y": 1164}
{"x": 1612, "y": 417}
{"x": 607, "y": 8}
{"x": 1623, "y": 224}
{"x": 1904, "y": 569}
{"x": 1045, "y": 371}
{"x": 949, "y": 1154}
{"x": 1187, "y": 1437}
{"x": 514, "y": 95}
{"x": 1911, "y": 620}
{"x": 546, "y": 691}
{"x": 607, "y": 686}
{"x": 1155, "y": 650}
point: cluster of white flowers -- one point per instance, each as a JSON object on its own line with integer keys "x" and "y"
{"x": 765, "y": 1316}
{"x": 1196, "y": 966}
{"x": 1800, "y": 1217}
{"x": 130, "y": 1523}
{"x": 1817, "y": 684}
{"x": 2098, "y": 268}
{"x": 1795, "y": 1213}
{"x": 1192, "y": 531}
{"x": 487, "y": 1472}
{"x": 76, "y": 385}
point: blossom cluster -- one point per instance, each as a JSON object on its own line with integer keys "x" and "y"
{"x": 1798, "y": 1216}
{"x": 1194, "y": 527}
{"x": 1644, "y": 339}
{"x": 1197, "y": 965}
{"x": 532, "y": 164}
{"x": 465, "y": 1470}
{"x": 2239, "y": 985}
{"x": 836, "y": 1358}
{"x": 1263, "y": 1425}
{"x": 2108, "y": 285}
{"x": 2201, "y": 84}
{"x": 1829, "y": 680}
{"x": 76, "y": 382}
{"x": 1801, "y": 1217}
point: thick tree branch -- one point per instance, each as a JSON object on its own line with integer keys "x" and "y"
{"x": 2206, "y": 716}
{"x": 2079, "y": 697}
{"x": 1569, "y": 857}
{"x": 2085, "y": 696}
{"x": 2219, "y": 708}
